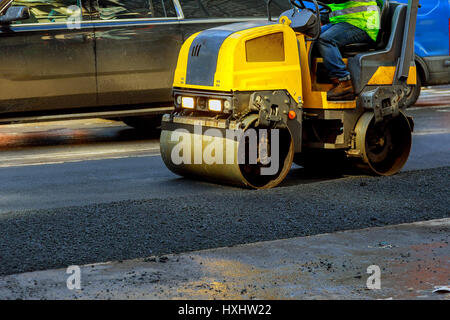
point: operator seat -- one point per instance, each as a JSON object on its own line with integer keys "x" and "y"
{"x": 353, "y": 49}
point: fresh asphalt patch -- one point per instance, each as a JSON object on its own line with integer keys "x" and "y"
{"x": 56, "y": 238}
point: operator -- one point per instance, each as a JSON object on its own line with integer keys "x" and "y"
{"x": 356, "y": 21}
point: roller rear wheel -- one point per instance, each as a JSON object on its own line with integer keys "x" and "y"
{"x": 385, "y": 146}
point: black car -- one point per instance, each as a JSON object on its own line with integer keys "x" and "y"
{"x": 72, "y": 59}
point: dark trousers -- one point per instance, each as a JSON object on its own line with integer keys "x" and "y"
{"x": 333, "y": 37}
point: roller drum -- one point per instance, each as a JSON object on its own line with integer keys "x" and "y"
{"x": 219, "y": 159}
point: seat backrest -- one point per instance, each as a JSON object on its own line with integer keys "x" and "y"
{"x": 385, "y": 26}
{"x": 364, "y": 65}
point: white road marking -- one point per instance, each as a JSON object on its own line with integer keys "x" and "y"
{"x": 424, "y": 108}
{"x": 429, "y": 132}
{"x": 75, "y": 154}
{"x": 77, "y": 160}
{"x": 63, "y": 157}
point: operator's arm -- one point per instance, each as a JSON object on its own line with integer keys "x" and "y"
{"x": 324, "y": 18}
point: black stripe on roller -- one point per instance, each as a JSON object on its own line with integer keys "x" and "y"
{"x": 204, "y": 52}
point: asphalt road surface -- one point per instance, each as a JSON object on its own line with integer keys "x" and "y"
{"x": 82, "y": 192}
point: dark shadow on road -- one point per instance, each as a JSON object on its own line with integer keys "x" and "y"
{"x": 300, "y": 175}
{"x": 296, "y": 176}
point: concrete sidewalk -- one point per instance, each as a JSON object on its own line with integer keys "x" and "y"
{"x": 413, "y": 258}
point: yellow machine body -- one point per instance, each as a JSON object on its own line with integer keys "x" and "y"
{"x": 259, "y": 58}
{"x": 270, "y": 57}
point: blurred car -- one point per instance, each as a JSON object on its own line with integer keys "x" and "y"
{"x": 432, "y": 45}
{"x": 72, "y": 59}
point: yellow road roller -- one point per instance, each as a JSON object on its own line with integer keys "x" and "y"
{"x": 251, "y": 99}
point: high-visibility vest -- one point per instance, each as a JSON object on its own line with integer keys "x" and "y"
{"x": 364, "y": 14}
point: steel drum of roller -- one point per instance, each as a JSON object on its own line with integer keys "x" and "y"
{"x": 251, "y": 158}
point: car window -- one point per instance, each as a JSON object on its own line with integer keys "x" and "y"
{"x": 231, "y": 8}
{"x": 132, "y": 9}
{"x": 44, "y": 11}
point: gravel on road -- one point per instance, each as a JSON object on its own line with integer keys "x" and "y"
{"x": 56, "y": 238}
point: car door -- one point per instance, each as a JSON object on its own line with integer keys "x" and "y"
{"x": 202, "y": 14}
{"x": 47, "y": 62}
{"x": 137, "y": 44}
{"x": 432, "y": 39}
{"x": 432, "y": 28}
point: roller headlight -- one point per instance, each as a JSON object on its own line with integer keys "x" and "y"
{"x": 187, "y": 102}
{"x": 215, "y": 105}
